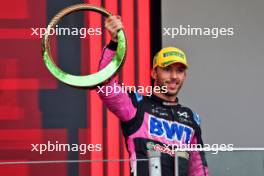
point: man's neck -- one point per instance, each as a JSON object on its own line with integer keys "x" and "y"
{"x": 165, "y": 97}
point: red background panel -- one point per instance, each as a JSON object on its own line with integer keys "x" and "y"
{"x": 24, "y": 80}
{"x": 15, "y": 170}
{"x": 15, "y": 145}
{"x": 15, "y": 9}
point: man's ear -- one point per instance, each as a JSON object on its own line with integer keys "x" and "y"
{"x": 154, "y": 73}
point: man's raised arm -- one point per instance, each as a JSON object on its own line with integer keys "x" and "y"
{"x": 118, "y": 102}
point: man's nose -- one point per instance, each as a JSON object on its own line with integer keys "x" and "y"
{"x": 174, "y": 74}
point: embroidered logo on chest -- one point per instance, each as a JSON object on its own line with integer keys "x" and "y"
{"x": 172, "y": 131}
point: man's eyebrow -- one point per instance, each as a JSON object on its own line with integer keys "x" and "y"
{"x": 183, "y": 67}
{"x": 166, "y": 68}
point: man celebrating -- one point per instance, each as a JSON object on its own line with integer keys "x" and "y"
{"x": 156, "y": 122}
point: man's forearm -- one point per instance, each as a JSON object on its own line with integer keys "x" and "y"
{"x": 118, "y": 102}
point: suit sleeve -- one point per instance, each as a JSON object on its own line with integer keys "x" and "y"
{"x": 198, "y": 165}
{"x": 116, "y": 100}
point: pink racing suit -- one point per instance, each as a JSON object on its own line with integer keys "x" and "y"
{"x": 149, "y": 122}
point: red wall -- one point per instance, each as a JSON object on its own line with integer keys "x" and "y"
{"x": 23, "y": 75}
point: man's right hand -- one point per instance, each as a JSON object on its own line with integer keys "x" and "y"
{"x": 113, "y": 24}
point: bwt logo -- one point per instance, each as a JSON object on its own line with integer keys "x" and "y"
{"x": 171, "y": 130}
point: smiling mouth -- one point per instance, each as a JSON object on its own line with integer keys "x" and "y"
{"x": 172, "y": 85}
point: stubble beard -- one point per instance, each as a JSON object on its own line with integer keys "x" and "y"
{"x": 169, "y": 93}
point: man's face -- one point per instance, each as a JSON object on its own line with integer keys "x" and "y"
{"x": 171, "y": 76}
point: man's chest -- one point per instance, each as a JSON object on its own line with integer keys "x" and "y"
{"x": 169, "y": 125}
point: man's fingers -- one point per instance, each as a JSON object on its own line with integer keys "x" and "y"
{"x": 111, "y": 18}
{"x": 116, "y": 25}
{"x": 114, "y": 21}
{"x": 113, "y": 24}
